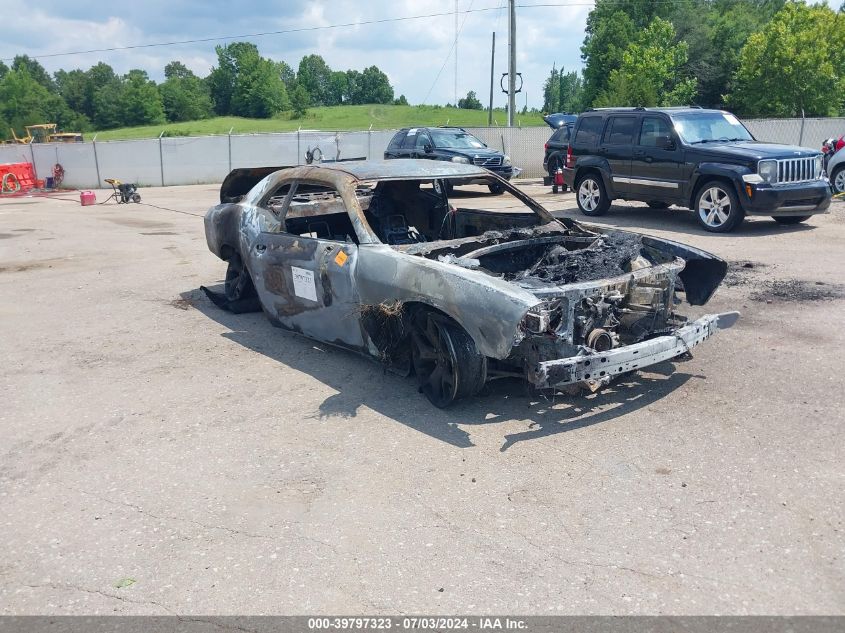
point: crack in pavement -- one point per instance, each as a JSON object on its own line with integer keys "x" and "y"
{"x": 98, "y": 592}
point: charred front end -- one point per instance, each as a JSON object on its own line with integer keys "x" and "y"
{"x": 609, "y": 307}
{"x": 605, "y": 300}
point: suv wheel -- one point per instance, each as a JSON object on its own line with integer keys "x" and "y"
{"x": 837, "y": 179}
{"x": 592, "y": 198}
{"x": 717, "y": 207}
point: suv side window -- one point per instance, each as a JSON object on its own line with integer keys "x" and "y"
{"x": 410, "y": 138}
{"x": 422, "y": 140}
{"x": 653, "y": 128}
{"x": 561, "y": 135}
{"x": 396, "y": 141}
{"x": 620, "y": 131}
{"x": 589, "y": 130}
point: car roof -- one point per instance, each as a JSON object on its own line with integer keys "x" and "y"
{"x": 405, "y": 168}
{"x": 665, "y": 110}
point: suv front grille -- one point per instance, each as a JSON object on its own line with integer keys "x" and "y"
{"x": 792, "y": 170}
{"x": 494, "y": 161}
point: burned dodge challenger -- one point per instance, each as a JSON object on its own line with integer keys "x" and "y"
{"x": 374, "y": 256}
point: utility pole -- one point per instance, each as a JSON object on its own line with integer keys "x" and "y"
{"x": 511, "y": 60}
{"x": 456, "y": 53}
{"x": 492, "y": 64}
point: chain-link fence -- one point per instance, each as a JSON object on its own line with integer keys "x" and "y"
{"x": 207, "y": 159}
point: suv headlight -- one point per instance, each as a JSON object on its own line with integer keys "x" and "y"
{"x": 819, "y": 166}
{"x": 460, "y": 159}
{"x": 768, "y": 170}
{"x": 506, "y": 160}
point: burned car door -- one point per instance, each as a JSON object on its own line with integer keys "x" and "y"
{"x": 304, "y": 273}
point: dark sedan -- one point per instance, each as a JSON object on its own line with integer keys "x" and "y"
{"x": 450, "y": 144}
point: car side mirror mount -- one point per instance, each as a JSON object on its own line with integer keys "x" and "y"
{"x": 428, "y": 148}
{"x": 665, "y": 142}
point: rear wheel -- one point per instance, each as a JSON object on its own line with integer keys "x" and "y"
{"x": 592, "y": 197}
{"x": 496, "y": 188}
{"x": 717, "y": 207}
{"x": 136, "y": 197}
{"x": 446, "y": 361}
{"x": 791, "y": 219}
{"x": 238, "y": 284}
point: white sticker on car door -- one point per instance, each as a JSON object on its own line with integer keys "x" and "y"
{"x": 303, "y": 283}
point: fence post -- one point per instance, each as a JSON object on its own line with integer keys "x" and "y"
{"x": 96, "y": 161}
{"x": 801, "y": 135}
{"x": 370, "y": 143}
{"x": 297, "y": 146}
{"x": 230, "y": 148}
{"x": 161, "y": 157}
{"x": 32, "y": 153}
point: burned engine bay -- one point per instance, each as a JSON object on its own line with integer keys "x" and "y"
{"x": 595, "y": 290}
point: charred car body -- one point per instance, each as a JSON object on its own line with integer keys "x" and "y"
{"x": 372, "y": 257}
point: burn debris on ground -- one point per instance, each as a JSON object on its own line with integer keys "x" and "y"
{"x": 796, "y": 290}
{"x": 742, "y": 272}
{"x": 608, "y": 256}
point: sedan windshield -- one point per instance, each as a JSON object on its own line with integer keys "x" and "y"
{"x": 455, "y": 139}
{"x": 711, "y": 127}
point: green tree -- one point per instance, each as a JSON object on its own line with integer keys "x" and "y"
{"x": 716, "y": 31}
{"x": 400, "y": 100}
{"x": 128, "y": 101}
{"x": 650, "y": 72}
{"x": 470, "y": 102}
{"x": 185, "y": 96}
{"x": 551, "y": 91}
{"x": 375, "y": 86}
{"x": 3, "y": 70}
{"x": 246, "y": 84}
{"x": 611, "y": 26}
{"x": 287, "y": 75}
{"x": 299, "y": 99}
{"x": 571, "y": 92}
{"x": 259, "y": 89}
{"x": 24, "y": 101}
{"x": 315, "y": 76}
{"x": 338, "y": 88}
{"x": 35, "y": 70}
{"x": 223, "y": 78}
{"x": 795, "y": 65}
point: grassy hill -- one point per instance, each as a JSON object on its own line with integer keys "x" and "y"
{"x": 352, "y": 117}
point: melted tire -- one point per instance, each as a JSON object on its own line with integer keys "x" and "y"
{"x": 238, "y": 285}
{"x": 447, "y": 364}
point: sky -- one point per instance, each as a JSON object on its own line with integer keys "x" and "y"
{"x": 418, "y": 55}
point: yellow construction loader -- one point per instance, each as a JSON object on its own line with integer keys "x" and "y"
{"x": 45, "y": 133}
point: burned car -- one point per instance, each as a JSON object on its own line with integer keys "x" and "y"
{"x": 375, "y": 257}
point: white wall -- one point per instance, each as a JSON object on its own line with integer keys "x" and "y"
{"x": 207, "y": 159}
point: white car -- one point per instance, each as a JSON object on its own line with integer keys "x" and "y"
{"x": 836, "y": 171}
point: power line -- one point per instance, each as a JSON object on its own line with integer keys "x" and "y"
{"x": 448, "y": 55}
{"x": 307, "y": 29}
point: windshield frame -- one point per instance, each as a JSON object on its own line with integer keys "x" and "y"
{"x": 690, "y": 135}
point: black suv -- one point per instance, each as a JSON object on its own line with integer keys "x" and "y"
{"x": 701, "y": 159}
{"x": 453, "y": 144}
{"x": 558, "y": 144}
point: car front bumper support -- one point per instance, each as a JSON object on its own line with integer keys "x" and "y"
{"x": 602, "y": 367}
